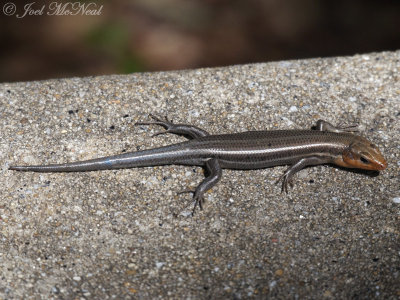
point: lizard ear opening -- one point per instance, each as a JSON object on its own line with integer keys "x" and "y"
{"x": 346, "y": 159}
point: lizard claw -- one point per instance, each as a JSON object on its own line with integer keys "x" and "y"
{"x": 286, "y": 180}
{"x": 197, "y": 197}
{"x": 186, "y": 191}
{"x": 198, "y": 201}
{"x": 158, "y": 121}
{"x": 348, "y": 128}
{"x": 160, "y": 133}
{"x": 164, "y": 122}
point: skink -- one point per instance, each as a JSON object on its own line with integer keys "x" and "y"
{"x": 326, "y": 144}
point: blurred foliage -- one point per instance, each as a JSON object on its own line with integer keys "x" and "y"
{"x": 148, "y": 35}
{"x": 113, "y": 40}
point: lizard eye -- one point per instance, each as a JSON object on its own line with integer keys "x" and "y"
{"x": 364, "y": 160}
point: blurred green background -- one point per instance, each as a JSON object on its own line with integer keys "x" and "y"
{"x": 152, "y": 35}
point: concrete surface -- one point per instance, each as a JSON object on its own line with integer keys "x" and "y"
{"x": 127, "y": 234}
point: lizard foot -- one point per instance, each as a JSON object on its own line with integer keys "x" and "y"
{"x": 158, "y": 121}
{"x": 197, "y": 197}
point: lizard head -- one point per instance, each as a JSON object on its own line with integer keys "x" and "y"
{"x": 362, "y": 154}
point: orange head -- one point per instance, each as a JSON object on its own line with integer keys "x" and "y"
{"x": 362, "y": 154}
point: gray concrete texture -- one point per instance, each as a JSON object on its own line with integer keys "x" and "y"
{"x": 127, "y": 234}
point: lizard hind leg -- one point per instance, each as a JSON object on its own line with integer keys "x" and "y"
{"x": 158, "y": 121}
{"x": 215, "y": 173}
{"x": 190, "y": 131}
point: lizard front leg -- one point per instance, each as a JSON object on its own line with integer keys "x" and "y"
{"x": 287, "y": 177}
{"x": 326, "y": 126}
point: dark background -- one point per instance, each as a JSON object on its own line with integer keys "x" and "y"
{"x": 152, "y": 35}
